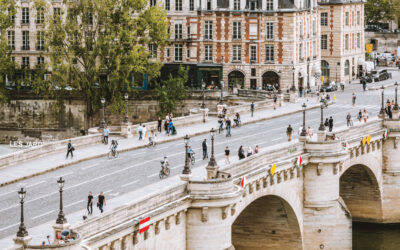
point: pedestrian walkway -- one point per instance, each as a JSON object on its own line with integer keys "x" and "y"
{"x": 57, "y": 160}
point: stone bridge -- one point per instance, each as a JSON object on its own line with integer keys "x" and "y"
{"x": 311, "y": 206}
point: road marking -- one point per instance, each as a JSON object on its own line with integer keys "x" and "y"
{"x": 179, "y": 166}
{"x": 10, "y": 226}
{"x": 38, "y": 183}
{"x": 8, "y": 193}
{"x": 108, "y": 191}
{"x": 277, "y": 139}
{"x": 152, "y": 175}
{"x": 74, "y": 203}
{"x": 130, "y": 183}
{"x": 69, "y": 173}
{"x": 47, "y": 213}
{"x": 90, "y": 166}
{"x": 158, "y": 149}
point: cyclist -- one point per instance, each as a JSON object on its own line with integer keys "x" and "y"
{"x": 164, "y": 165}
{"x": 114, "y": 146}
{"x": 152, "y": 136}
{"x": 190, "y": 152}
{"x": 237, "y": 120}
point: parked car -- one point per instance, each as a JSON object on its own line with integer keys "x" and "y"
{"x": 329, "y": 87}
{"x": 366, "y": 79}
{"x": 379, "y": 75}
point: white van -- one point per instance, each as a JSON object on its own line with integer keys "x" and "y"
{"x": 369, "y": 66}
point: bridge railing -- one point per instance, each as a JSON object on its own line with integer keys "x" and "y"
{"x": 374, "y": 125}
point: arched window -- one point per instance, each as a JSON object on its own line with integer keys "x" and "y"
{"x": 325, "y": 68}
{"x": 347, "y": 68}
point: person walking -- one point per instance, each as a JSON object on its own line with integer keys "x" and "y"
{"x": 227, "y": 153}
{"x": 275, "y": 101}
{"x": 166, "y": 124}
{"x": 101, "y": 201}
{"x": 140, "y": 131}
{"x": 221, "y": 125}
{"x": 90, "y": 203}
{"x": 289, "y": 132}
{"x": 170, "y": 127}
{"x": 330, "y": 124}
{"x": 309, "y": 132}
{"x": 353, "y": 98}
{"x": 241, "y": 153}
{"x": 70, "y": 149}
{"x": 365, "y": 115}
{"x": 106, "y": 133}
{"x": 159, "y": 122}
{"x": 256, "y": 150}
{"x": 348, "y": 119}
{"x": 144, "y": 131}
{"x": 326, "y": 123}
{"x": 359, "y": 117}
{"x": 204, "y": 146}
{"x": 252, "y": 108}
{"x": 228, "y": 124}
{"x": 249, "y": 152}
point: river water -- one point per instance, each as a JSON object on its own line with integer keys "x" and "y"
{"x": 368, "y": 236}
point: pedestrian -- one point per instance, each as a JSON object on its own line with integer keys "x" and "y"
{"x": 221, "y": 125}
{"x": 167, "y": 117}
{"x": 289, "y": 132}
{"x": 249, "y": 151}
{"x": 241, "y": 153}
{"x": 106, "y": 133}
{"x": 140, "y": 131}
{"x": 227, "y": 153}
{"x": 389, "y": 112}
{"x": 170, "y": 127}
{"x": 353, "y": 98}
{"x": 70, "y": 149}
{"x": 326, "y": 123}
{"x": 330, "y": 124}
{"x": 309, "y": 132}
{"x": 144, "y": 131}
{"x": 301, "y": 91}
{"x": 300, "y": 130}
{"x": 252, "y": 108}
{"x": 348, "y": 119}
{"x": 256, "y": 150}
{"x": 275, "y": 101}
{"x": 90, "y": 203}
{"x": 159, "y": 122}
{"x": 204, "y": 146}
{"x": 166, "y": 123}
{"x": 228, "y": 124}
{"x": 359, "y": 117}
{"x": 101, "y": 201}
{"x": 365, "y": 115}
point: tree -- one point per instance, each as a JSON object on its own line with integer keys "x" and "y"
{"x": 94, "y": 46}
{"x": 379, "y": 10}
{"x": 172, "y": 91}
{"x": 8, "y": 10}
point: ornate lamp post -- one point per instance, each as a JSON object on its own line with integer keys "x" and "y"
{"x": 212, "y": 162}
{"x": 22, "y": 229}
{"x": 61, "y": 218}
{"x": 382, "y": 112}
{"x": 203, "y": 103}
{"x": 303, "y": 131}
{"x": 293, "y": 71}
{"x": 103, "y": 122}
{"x": 221, "y": 100}
{"x": 186, "y": 169}
{"x": 126, "y": 118}
{"x": 396, "y": 105}
{"x": 321, "y": 125}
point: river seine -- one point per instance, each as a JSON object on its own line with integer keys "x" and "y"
{"x": 376, "y": 236}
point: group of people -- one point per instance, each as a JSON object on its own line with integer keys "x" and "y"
{"x": 389, "y": 108}
{"x": 101, "y": 202}
{"x": 242, "y": 153}
{"x": 361, "y": 116}
{"x": 168, "y": 125}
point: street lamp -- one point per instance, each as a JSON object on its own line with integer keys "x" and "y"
{"x": 126, "y": 118}
{"x": 293, "y": 71}
{"x": 212, "y": 162}
{"x": 61, "y": 218}
{"x": 308, "y": 73}
{"x": 103, "y": 122}
{"x": 321, "y": 125}
{"x": 303, "y": 131}
{"x": 22, "y": 229}
{"x": 396, "y": 105}
{"x": 186, "y": 169}
{"x": 337, "y": 66}
{"x": 203, "y": 103}
{"x": 221, "y": 101}
{"x": 382, "y": 112}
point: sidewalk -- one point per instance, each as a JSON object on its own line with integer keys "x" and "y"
{"x": 55, "y": 161}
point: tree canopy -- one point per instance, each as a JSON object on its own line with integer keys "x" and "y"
{"x": 380, "y": 10}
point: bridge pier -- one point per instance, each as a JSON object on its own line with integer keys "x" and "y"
{"x": 326, "y": 220}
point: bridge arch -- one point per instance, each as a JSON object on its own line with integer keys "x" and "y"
{"x": 268, "y": 222}
{"x": 360, "y": 190}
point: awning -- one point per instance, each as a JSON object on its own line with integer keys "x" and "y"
{"x": 360, "y": 61}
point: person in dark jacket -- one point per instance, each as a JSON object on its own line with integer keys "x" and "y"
{"x": 159, "y": 121}
{"x": 241, "y": 153}
{"x": 330, "y": 124}
{"x": 70, "y": 149}
{"x": 204, "y": 146}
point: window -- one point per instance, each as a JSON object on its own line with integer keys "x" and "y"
{"x": 208, "y": 30}
{"x": 188, "y": 53}
{"x": 167, "y": 5}
{"x": 358, "y": 18}
{"x": 56, "y": 12}
{"x": 25, "y": 15}
{"x": 191, "y": 5}
{"x": 40, "y": 15}
{"x": 301, "y": 32}
{"x": 11, "y": 39}
{"x": 153, "y": 50}
{"x": 178, "y": 31}
{"x": 25, "y": 40}
{"x": 325, "y": 68}
{"x": 168, "y": 53}
{"x": 208, "y": 4}
{"x": 253, "y": 29}
{"x": 324, "y": 19}
{"x": 301, "y": 51}
{"x": 269, "y": 53}
{"x": 269, "y": 31}
{"x": 40, "y": 40}
{"x": 347, "y": 68}
{"x": 25, "y": 62}
{"x": 12, "y": 17}
{"x": 358, "y": 40}
{"x": 253, "y": 5}
{"x": 178, "y": 5}
{"x": 237, "y": 27}
{"x": 353, "y": 17}
{"x": 324, "y": 41}
{"x": 40, "y": 60}
{"x": 236, "y": 4}
{"x": 346, "y": 42}
{"x": 208, "y": 52}
{"x": 237, "y": 53}
{"x": 153, "y": 3}
{"x": 353, "y": 43}
{"x": 178, "y": 52}
{"x": 269, "y": 5}
{"x": 253, "y": 72}
{"x": 314, "y": 50}
{"x": 314, "y": 28}
{"x": 253, "y": 53}
{"x": 346, "y": 20}
{"x": 188, "y": 32}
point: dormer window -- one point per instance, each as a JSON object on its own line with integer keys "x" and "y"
{"x": 208, "y": 4}
{"x": 253, "y": 5}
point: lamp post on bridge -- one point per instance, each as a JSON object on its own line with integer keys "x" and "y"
{"x": 303, "y": 131}
{"x": 103, "y": 121}
{"x": 321, "y": 125}
{"x": 396, "y": 105}
{"x": 22, "y": 232}
{"x": 186, "y": 169}
{"x": 61, "y": 217}
{"x": 382, "y": 112}
{"x": 126, "y": 118}
{"x": 203, "y": 103}
{"x": 212, "y": 166}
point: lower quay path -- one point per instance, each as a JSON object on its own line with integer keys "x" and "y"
{"x": 139, "y": 168}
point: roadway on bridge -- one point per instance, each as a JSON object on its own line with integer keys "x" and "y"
{"x": 138, "y": 168}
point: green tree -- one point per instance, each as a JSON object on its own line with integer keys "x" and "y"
{"x": 172, "y": 91}
{"x": 95, "y": 46}
{"x": 379, "y": 11}
{"x": 8, "y": 10}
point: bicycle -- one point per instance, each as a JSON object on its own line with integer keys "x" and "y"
{"x": 151, "y": 144}
{"x": 237, "y": 122}
{"x": 164, "y": 172}
{"x": 113, "y": 154}
{"x": 191, "y": 158}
